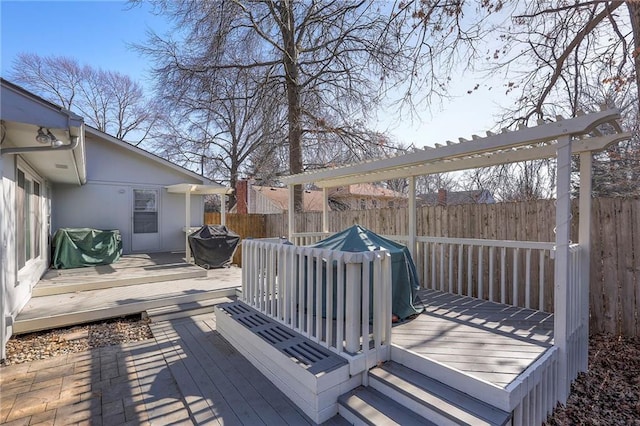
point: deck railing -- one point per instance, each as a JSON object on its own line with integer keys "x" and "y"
{"x": 517, "y": 273}
{"x": 338, "y": 299}
{"x": 308, "y": 238}
{"x": 534, "y": 392}
{"x": 577, "y": 316}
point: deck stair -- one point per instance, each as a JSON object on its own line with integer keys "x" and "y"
{"x": 392, "y": 385}
{"x": 61, "y": 281}
{"x": 367, "y": 406}
{"x": 162, "y": 284}
{"x": 189, "y": 309}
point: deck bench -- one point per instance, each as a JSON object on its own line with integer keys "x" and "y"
{"x": 312, "y": 376}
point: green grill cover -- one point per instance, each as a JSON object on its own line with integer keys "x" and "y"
{"x": 78, "y": 247}
{"x": 405, "y": 281}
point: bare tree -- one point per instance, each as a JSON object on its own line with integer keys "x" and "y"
{"x": 223, "y": 128}
{"x": 578, "y": 55}
{"x": 330, "y": 60}
{"x": 109, "y": 101}
{"x": 558, "y": 57}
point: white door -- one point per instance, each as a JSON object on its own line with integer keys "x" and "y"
{"x": 146, "y": 235}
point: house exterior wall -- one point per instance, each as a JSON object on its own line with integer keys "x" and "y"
{"x": 106, "y": 201}
{"x": 16, "y": 283}
{"x": 260, "y": 204}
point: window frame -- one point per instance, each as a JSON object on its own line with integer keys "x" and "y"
{"x": 29, "y": 211}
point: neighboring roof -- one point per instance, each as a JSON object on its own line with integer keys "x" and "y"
{"x": 312, "y": 200}
{"x": 98, "y": 133}
{"x": 480, "y": 196}
{"x": 367, "y": 190}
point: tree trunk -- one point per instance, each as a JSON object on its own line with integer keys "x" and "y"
{"x": 233, "y": 180}
{"x": 634, "y": 15}
{"x": 294, "y": 112}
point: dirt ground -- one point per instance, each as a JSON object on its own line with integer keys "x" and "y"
{"x": 609, "y": 393}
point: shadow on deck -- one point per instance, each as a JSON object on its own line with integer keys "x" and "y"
{"x": 487, "y": 340}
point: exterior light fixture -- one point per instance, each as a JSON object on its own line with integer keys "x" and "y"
{"x": 42, "y": 137}
{"x": 55, "y": 142}
{"x": 48, "y": 138}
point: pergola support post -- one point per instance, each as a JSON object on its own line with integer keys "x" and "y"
{"x": 223, "y": 209}
{"x": 584, "y": 239}
{"x": 292, "y": 215}
{"x": 413, "y": 227}
{"x": 325, "y": 210}
{"x": 187, "y": 224}
{"x": 561, "y": 273}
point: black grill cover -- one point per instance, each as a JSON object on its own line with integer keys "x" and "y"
{"x": 212, "y": 246}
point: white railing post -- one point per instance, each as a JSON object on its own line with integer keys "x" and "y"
{"x": 329, "y": 314}
{"x": 352, "y": 307}
{"x": 325, "y": 210}
{"x": 385, "y": 317}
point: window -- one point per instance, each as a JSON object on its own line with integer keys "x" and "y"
{"x": 28, "y": 217}
{"x": 145, "y": 211}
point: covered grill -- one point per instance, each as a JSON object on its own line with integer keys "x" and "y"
{"x": 213, "y": 246}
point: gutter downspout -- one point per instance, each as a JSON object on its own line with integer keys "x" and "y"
{"x": 75, "y": 141}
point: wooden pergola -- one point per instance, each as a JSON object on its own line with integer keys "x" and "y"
{"x": 561, "y": 139}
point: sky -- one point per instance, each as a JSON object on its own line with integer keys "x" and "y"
{"x": 99, "y": 33}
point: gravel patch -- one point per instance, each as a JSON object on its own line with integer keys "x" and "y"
{"x": 50, "y": 343}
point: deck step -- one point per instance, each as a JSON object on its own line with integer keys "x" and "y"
{"x": 189, "y": 309}
{"x": 32, "y": 321}
{"x": 432, "y": 399}
{"x": 101, "y": 277}
{"x": 367, "y": 406}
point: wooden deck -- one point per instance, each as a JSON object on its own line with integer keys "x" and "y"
{"x": 186, "y": 375}
{"x": 131, "y": 269}
{"x": 487, "y": 340}
{"x": 218, "y": 384}
{"x": 133, "y": 285}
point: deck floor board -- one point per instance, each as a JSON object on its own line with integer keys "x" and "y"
{"x": 86, "y": 301}
{"x": 219, "y": 384}
{"x": 487, "y": 340}
{"x": 128, "y": 266}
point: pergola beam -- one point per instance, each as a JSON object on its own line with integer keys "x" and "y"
{"x": 493, "y": 143}
{"x": 504, "y": 157}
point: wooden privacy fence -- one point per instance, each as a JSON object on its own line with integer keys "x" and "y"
{"x": 245, "y": 225}
{"x": 615, "y": 244}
